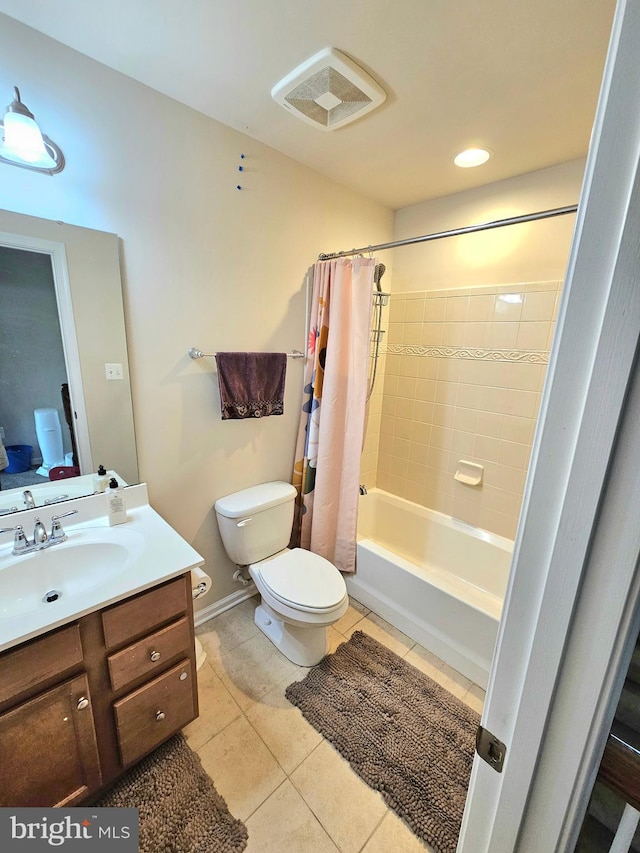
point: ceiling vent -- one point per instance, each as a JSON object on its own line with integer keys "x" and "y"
{"x": 328, "y": 91}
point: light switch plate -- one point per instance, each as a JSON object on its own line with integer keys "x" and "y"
{"x": 113, "y": 371}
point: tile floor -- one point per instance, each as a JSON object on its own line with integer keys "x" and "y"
{"x": 294, "y": 792}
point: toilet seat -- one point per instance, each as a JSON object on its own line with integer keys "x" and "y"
{"x": 303, "y": 580}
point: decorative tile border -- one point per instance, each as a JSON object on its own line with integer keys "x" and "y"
{"x": 479, "y": 290}
{"x": 521, "y": 356}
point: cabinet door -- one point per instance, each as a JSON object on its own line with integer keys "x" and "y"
{"x": 48, "y": 750}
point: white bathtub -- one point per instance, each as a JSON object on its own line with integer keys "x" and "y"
{"x": 435, "y": 578}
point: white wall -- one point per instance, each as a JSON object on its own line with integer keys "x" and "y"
{"x": 534, "y": 251}
{"x": 203, "y": 264}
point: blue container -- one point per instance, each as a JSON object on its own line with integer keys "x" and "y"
{"x": 19, "y": 458}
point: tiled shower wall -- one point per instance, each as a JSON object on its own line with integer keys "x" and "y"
{"x": 463, "y": 372}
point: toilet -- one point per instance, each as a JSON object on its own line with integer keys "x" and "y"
{"x": 49, "y": 435}
{"x": 302, "y": 594}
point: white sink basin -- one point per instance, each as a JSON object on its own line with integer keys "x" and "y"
{"x": 43, "y": 580}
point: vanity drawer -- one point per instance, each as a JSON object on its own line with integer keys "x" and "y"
{"x": 155, "y": 711}
{"x": 141, "y": 614}
{"x": 149, "y": 654}
{"x": 39, "y": 661}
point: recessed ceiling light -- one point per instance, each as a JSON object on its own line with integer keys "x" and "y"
{"x": 472, "y": 157}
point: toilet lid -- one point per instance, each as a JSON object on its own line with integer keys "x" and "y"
{"x": 303, "y": 579}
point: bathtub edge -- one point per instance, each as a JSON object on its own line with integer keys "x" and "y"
{"x": 462, "y": 660}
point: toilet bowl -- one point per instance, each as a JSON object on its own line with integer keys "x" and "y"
{"x": 302, "y": 593}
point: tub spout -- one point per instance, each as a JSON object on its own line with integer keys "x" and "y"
{"x": 363, "y": 489}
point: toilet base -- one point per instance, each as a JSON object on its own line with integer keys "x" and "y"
{"x": 303, "y": 646}
{"x": 44, "y": 469}
{"x": 201, "y": 655}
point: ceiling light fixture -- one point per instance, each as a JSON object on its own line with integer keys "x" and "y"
{"x": 24, "y": 143}
{"x": 472, "y": 157}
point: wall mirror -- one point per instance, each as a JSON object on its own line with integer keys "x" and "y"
{"x": 62, "y": 352}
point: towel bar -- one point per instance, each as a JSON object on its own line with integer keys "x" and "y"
{"x": 194, "y": 352}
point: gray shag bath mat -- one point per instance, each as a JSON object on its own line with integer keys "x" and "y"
{"x": 180, "y": 810}
{"x": 402, "y": 733}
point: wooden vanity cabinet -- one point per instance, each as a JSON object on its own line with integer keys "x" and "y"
{"x": 82, "y": 703}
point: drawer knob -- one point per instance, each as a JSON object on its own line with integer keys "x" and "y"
{"x": 159, "y": 716}
{"x": 155, "y": 656}
{"x": 83, "y": 703}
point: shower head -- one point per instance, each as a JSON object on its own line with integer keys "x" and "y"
{"x": 378, "y": 272}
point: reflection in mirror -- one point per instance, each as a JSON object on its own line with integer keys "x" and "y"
{"x": 51, "y": 492}
{"x": 61, "y": 324}
{"x": 34, "y": 374}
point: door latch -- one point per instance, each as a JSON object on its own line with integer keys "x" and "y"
{"x": 491, "y": 749}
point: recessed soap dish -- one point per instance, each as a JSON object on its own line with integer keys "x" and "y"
{"x": 469, "y": 473}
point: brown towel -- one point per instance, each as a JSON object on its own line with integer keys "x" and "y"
{"x": 251, "y": 383}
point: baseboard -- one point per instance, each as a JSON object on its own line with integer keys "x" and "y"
{"x": 223, "y": 604}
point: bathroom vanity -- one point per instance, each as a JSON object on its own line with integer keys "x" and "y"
{"x": 95, "y": 680}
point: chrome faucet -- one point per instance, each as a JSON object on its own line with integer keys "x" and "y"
{"x": 39, "y": 533}
{"x": 28, "y": 499}
{"x": 41, "y": 540}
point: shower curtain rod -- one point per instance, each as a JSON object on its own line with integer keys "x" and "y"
{"x": 454, "y": 232}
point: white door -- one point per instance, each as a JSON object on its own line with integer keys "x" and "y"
{"x": 572, "y": 593}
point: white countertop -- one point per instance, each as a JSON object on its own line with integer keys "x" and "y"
{"x": 164, "y": 554}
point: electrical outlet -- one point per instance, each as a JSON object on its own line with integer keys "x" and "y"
{"x": 113, "y": 371}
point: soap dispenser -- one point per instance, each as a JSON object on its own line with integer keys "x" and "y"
{"x": 116, "y": 510}
{"x": 100, "y": 480}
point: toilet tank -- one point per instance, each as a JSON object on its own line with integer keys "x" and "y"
{"x": 256, "y": 522}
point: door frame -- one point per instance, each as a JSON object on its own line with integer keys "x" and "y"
{"x": 574, "y": 488}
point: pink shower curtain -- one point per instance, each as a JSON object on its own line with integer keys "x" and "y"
{"x": 327, "y": 468}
